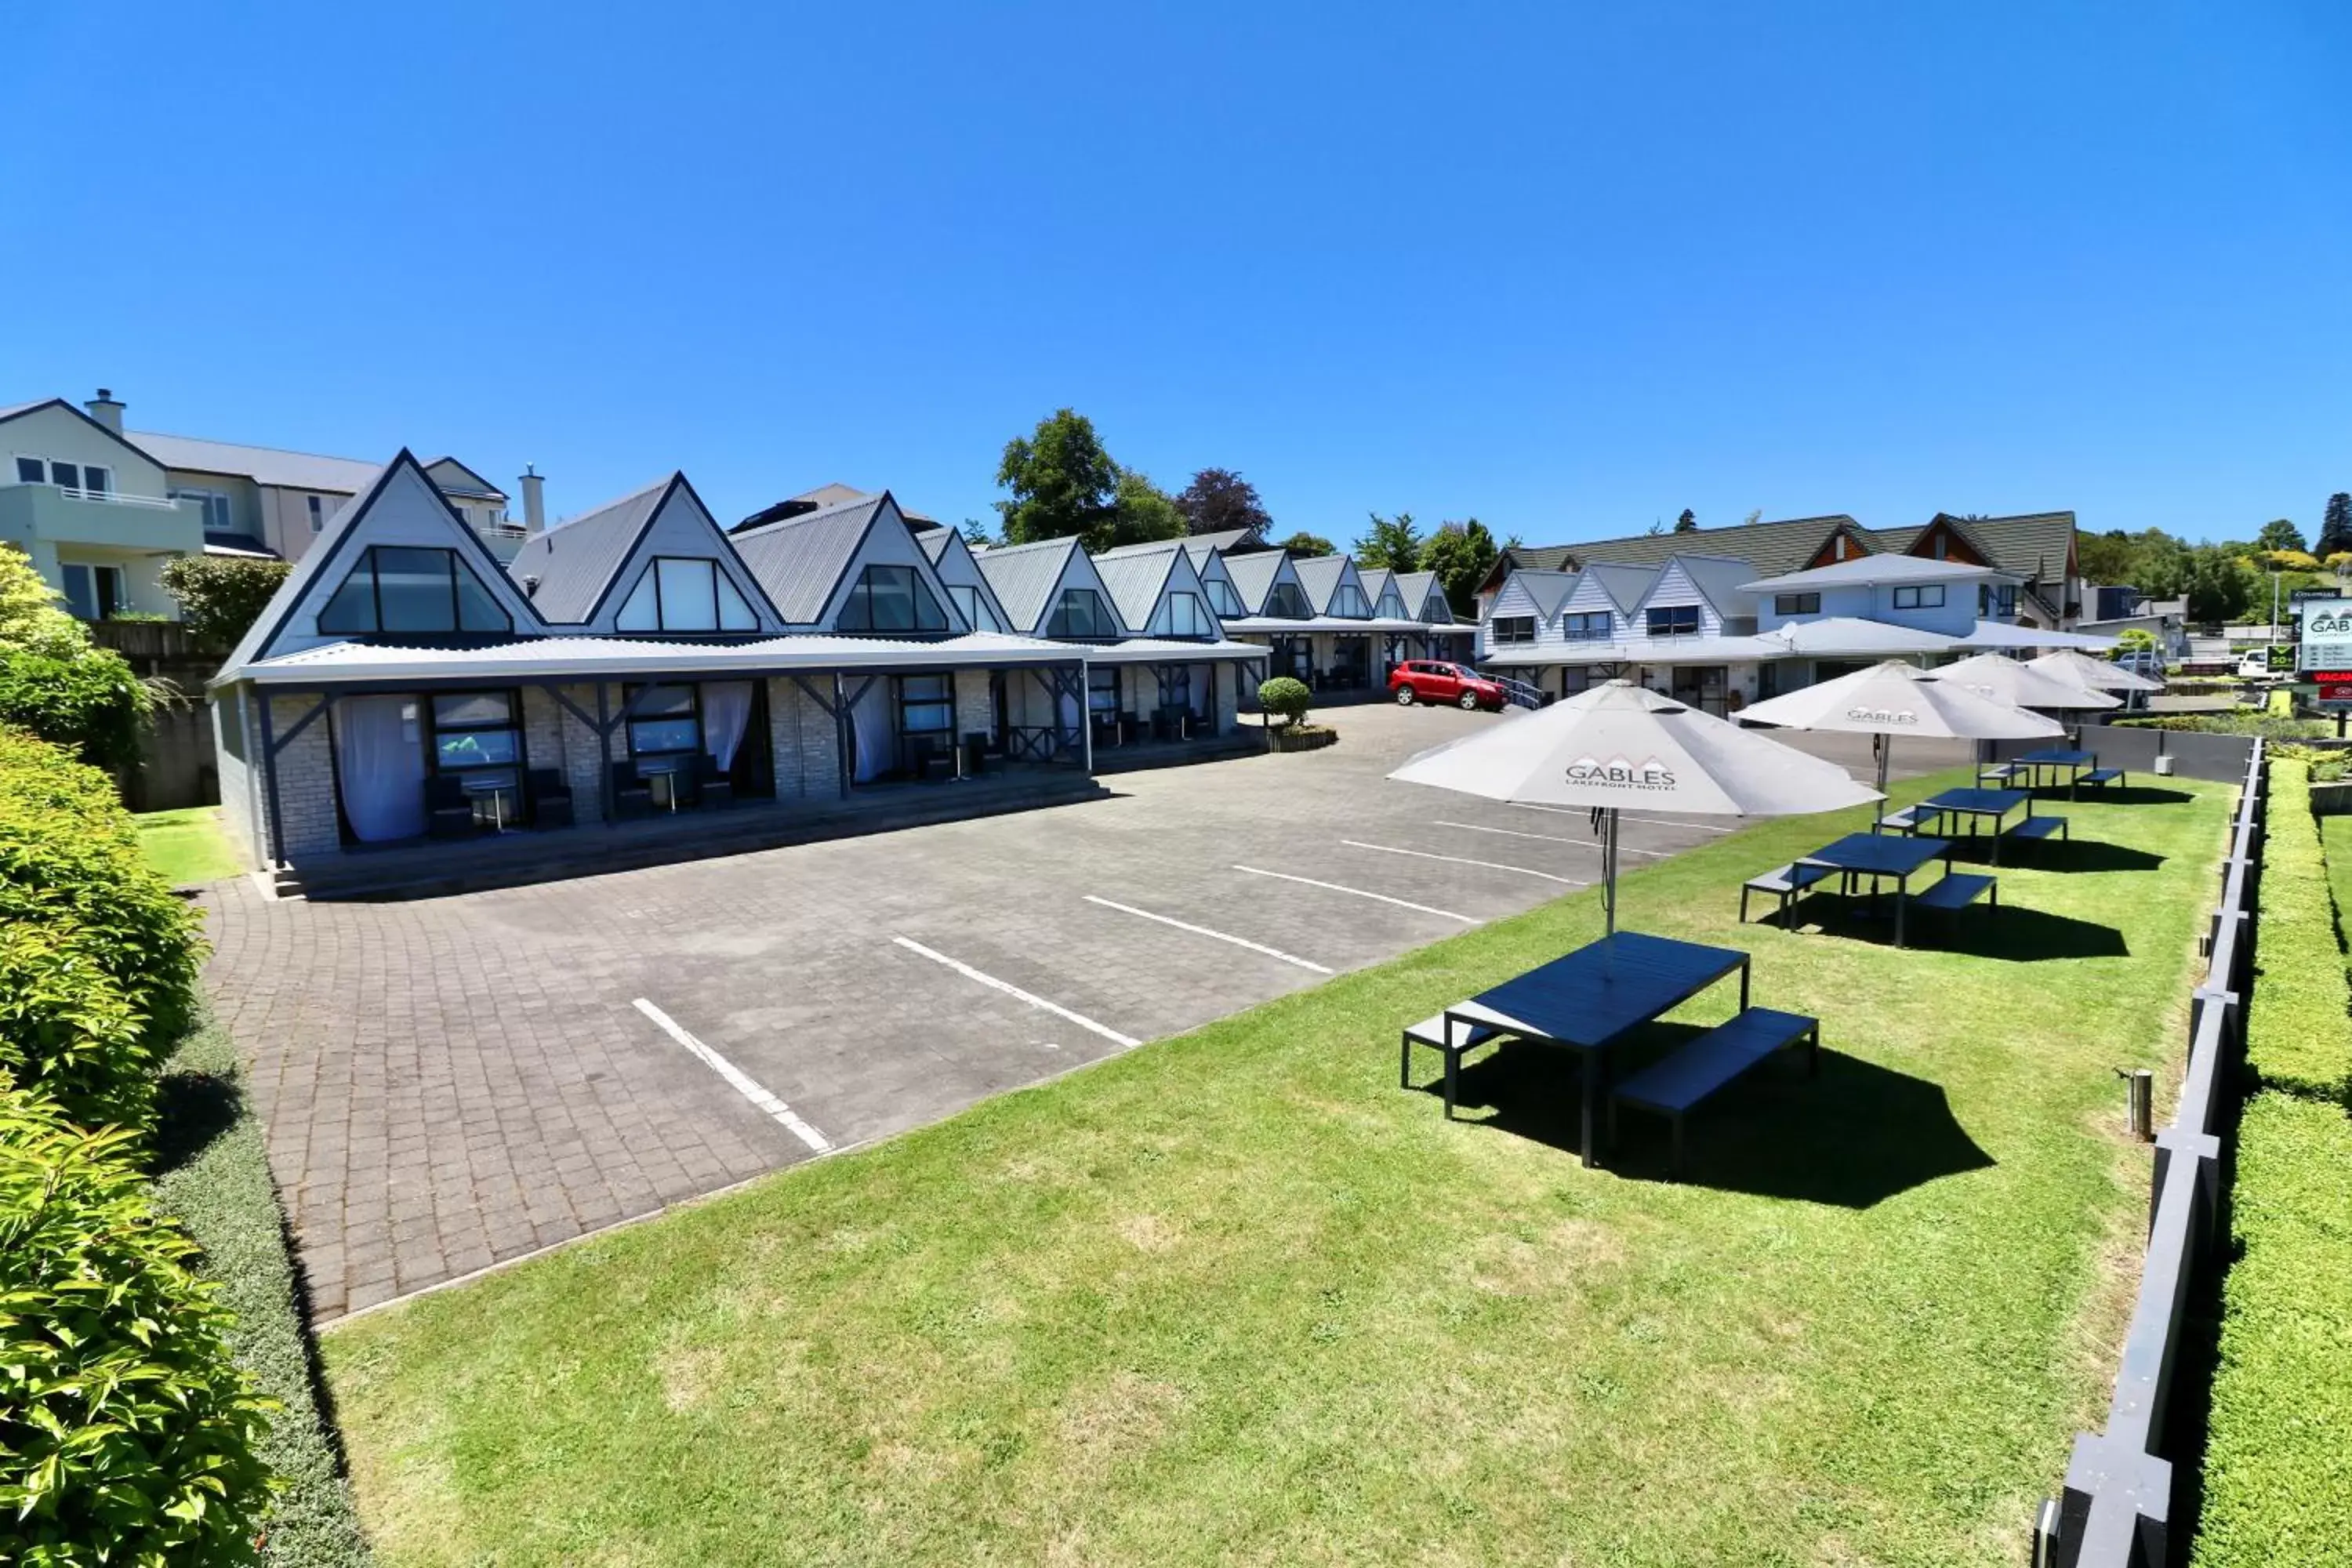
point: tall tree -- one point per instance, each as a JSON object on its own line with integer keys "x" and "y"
{"x": 2336, "y": 526}
{"x": 1461, "y": 554}
{"x": 974, "y": 530}
{"x": 2279, "y": 533}
{"x": 1687, "y": 523}
{"x": 1392, "y": 542}
{"x": 1305, "y": 543}
{"x": 1062, "y": 481}
{"x": 1140, "y": 513}
{"x": 2220, "y": 586}
{"x": 1220, "y": 498}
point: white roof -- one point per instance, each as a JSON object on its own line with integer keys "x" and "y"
{"x": 591, "y": 657}
{"x": 2000, "y": 634}
{"x": 1265, "y": 625}
{"x": 1168, "y": 650}
{"x": 1638, "y": 650}
{"x": 1851, "y": 636}
{"x": 1864, "y": 570}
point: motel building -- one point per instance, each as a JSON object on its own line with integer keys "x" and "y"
{"x": 638, "y": 685}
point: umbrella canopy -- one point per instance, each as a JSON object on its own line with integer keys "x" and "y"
{"x": 2007, "y": 680}
{"x": 1899, "y": 698}
{"x": 1619, "y": 746}
{"x": 2098, "y": 674}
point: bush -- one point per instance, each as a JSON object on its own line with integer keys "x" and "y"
{"x": 221, "y": 596}
{"x": 127, "y": 1433}
{"x": 90, "y": 701}
{"x": 2135, "y": 639}
{"x": 2298, "y": 1037}
{"x": 97, "y": 956}
{"x": 1285, "y": 698}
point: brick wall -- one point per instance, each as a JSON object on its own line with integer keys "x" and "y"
{"x": 806, "y": 744}
{"x": 975, "y": 713}
{"x": 1230, "y": 678}
{"x": 306, "y": 780}
{"x": 557, "y": 739}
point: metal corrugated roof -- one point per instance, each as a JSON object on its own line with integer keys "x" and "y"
{"x": 1320, "y": 575}
{"x": 575, "y": 561}
{"x": 1023, "y": 576}
{"x": 1135, "y": 583}
{"x": 1253, "y": 576}
{"x": 1416, "y": 587}
{"x": 1224, "y": 540}
{"x": 800, "y": 561}
{"x": 1625, "y": 586}
{"x": 262, "y": 465}
{"x": 1719, "y": 578}
{"x": 1548, "y": 590}
{"x": 564, "y": 656}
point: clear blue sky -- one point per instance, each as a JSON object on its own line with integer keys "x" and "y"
{"x": 1566, "y": 268}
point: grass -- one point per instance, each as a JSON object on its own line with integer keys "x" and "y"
{"x": 186, "y": 846}
{"x": 1234, "y": 1297}
{"x": 214, "y": 1175}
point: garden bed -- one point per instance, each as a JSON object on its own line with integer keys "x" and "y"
{"x": 1303, "y": 737}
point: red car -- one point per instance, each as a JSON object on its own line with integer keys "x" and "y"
{"x": 1436, "y": 680}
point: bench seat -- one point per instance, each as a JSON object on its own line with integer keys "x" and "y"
{"x": 2040, "y": 827}
{"x": 1784, "y": 883}
{"x": 1679, "y": 1084}
{"x": 1957, "y": 890}
{"x": 1907, "y": 820}
{"x": 2100, "y": 778}
{"x": 1431, "y": 1032}
{"x": 2004, "y": 773}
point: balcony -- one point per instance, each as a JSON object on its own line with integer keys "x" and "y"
{"x": 60, "y": 514}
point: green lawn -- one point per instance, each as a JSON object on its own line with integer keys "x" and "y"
{"x": 1235, "y": 1298}
{"x": 188, "y": 845}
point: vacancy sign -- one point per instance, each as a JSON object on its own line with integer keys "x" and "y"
{"x": 2327, "y": 641}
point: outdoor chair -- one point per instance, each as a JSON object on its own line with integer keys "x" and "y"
{"x": 975, "y": 754}
{"x": 448, "y": 812}
{"x": 631, "y": 796}
{"x": 551, "y": 798}
{"x": 711, "y": 787}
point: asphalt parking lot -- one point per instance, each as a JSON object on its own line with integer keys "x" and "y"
{"x": 456, "y": 1082}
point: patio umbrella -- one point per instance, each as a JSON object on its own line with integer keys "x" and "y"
{"x": 2098, "y": 674}
{"x": 1899, "y": 698}
{"x": 1619, "y": 746}
{"x": 2005, "y": 679}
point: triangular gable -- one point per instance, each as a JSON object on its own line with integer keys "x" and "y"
{"x": 1210, "y": 566}
{"x": 676, "y": 527}
{"x": 1380, "y": 588}
{"x": 1078, "y": 572}
{"x": 450, "y": 471}
{"x": 1947, "y": 538}
{"x": 1711, "y": 581}
{"x": 1256, "y": 574}
{"x": 400, "y": 506}
{"x": 1325, "y": 578}
{"x": 1425, "y": 600}
{"x": 1183, "y": 578}
{"x": 28, "y": 409}
{"x": 1845, "y": 541}
{"x": 889, "y": 542}
{"x": 1541, "y": 593}
{"x": 951, "y": 556}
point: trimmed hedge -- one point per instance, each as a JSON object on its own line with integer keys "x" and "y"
{"x": 97, "y": 956}
{"x": 1285, "y": 698}
{"x": 127, "y": 1432}
{"x": 2298, "y": 1037}
{"x": 221, "y": 1190}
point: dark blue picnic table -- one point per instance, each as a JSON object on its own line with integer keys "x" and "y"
{"x": 1975, "y": 804}
{"x": 1877, "y": 855}
{"x": 1590, "y": 998}
{"x": 2076, "y": 762}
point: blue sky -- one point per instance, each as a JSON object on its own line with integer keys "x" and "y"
{"x": 1568, "y": 268}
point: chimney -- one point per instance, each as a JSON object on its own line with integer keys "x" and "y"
{"x": 106, "y": 410}
{"x": 534, "y": 503}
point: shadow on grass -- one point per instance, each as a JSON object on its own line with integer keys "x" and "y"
{"x": 193, "y": 1110}
{"x": 2086, "y": 854}
{"x": 2119, "y": 794}
{"x": 1855, "y": 1136}
{"x": 2012, "y": 932}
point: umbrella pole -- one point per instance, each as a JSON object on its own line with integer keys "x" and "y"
{"x": 1886, "y": 744}
{"x": 1609, "y": 870}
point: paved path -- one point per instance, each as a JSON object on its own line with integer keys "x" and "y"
{"x": 459, "y": 1081}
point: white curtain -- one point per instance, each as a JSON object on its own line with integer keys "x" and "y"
{"x": 726, "y": 709}
{"x": 379, "y": 766}
{"x": 1071, "y": 716}
{"x": 1204, "y": 682}
{"x": 869, "y": 717}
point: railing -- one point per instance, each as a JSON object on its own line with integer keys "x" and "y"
{"x": 2117, "y": 1509}
{"x": 1519, "y": 693}
{"x": 112, "y": 498}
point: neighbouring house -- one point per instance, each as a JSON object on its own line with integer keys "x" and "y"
{"x": 101, "y": 508}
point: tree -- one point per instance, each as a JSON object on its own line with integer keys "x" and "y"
{"x": 221, "y": 596}
{"x": 1305, "y": 543}
{"x": 2220, "y": 587}
{"x": 2135, "y": 639}
{"x": 2336, "y": 526}
{"x": 975, "y": 532}
{"x": 1140, "y": 513}
{"x": 32, "y": 614}
{"x": 1752, "y": 519}
{"x": 1461, "y": 554}
{"x": 1393, "y": 543}
{"x": 1687, "y": 523}
{"x": 1062, "y": 481}
{"x": 2280, "y": 533}
{"x": 1220, "y": 498}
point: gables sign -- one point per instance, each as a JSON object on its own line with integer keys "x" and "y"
{"x": 1617, "y": 772}
{"x": 2325, "y": 642}
{"x": 1892, "y": 718}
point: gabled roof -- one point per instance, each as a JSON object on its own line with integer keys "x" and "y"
{"x": 18, "y": 411}
{"x": 477, "y": 486}
{"x": 1321, "y": 575}
{"x": 1025, "y": 577}
{"x": 951, "y": 556}
{"x": 1222, "y": 541}
{"x": 1717, "y": 579}
{"x": 800, "y": 560}
{"x": 1136, "y": 583}
{"x": 262, "y": 465}
{"x": 1626, "y": 586}
{"x": 1377, "y": 582}
{"x": 1871, "y": 570}
{"x": 1255, "y": 575}
{"x": 575, "y": 562}
{"x": 1416, "y": 587}
{"x": 1548, "y": 591}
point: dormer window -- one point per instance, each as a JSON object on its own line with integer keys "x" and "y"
{"x": 403, "y": 589}
{"x": 1222, "y": 597}
{"x": 1185, "y": 616}
{"x": 1391, "y": 607}
{"x": 680, "y": 593}
{"x": 1288, "y": 601}
{"x": 1081, "y": 613}
{"x": 891, "y": 599}
{"x": 1348, "y": 600}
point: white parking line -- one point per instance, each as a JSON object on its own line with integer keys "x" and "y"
{"x": 1549, "y": 839}
{"x": 1338, "y": 888}
{"x": 1622, "y": 816}
{"x": 1458, "y": 860}
{"x": 1221, "y": 936}
{"x": 744, "y": 1084}
{"x": 993, "y": 983}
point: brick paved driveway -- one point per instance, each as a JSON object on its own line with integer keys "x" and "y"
{"x": 459, "y": 1081}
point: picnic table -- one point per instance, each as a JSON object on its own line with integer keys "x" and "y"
{"x": 1588, "y": 999}
{"x": 2073, "y": 763}
{"x": 1977, "y": 805}
{"x": 1877, "y": 855}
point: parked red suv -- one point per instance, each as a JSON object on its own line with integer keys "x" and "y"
{"x": 1434, "y": 681}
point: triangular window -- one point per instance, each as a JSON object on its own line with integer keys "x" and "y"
{"x": 400, "y": 588}
{"x": 891, "y": 599}
{"x": 685, "y": 594}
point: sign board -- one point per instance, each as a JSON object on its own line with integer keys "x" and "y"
{"x": 2331, "y": 685}
{"x": 2326, "y": 635}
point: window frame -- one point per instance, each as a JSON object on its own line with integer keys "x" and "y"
{"x": 1056, "y": 623}
{"x": 1918, "y": 592}
{"x": 1201, "y": 622}
{"x": 651, "y": 572}
{"x": 1996, "y": 603}
{"x": 1348, "y": 601}
{"x": 1232, "y": 607}
{"x": 904, "y": 703}
{"x": 367, "y": 563}
{"x": 918, "y": 595}
{"x": 1511, "y": 628}
{"x": 1097, "y": 711}
{"x": 318, "y": 508}
{"x": 693, "y": 714}
{"x": 1570, "y": 630}
{"x": 434, "y": 728}
{"x": 1682, "y": 621}
{"x": 1797, "y": 603}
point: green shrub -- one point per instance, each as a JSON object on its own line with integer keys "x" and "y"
{"x": 1285, "y": 698}
{"x": 221, "y": 596}
{"x": 2278, "y": 1458}
{"x": 2135, "y": 639}
{"x": 2240, "y": 722}
{"x": 2298, "y": 1037}
{"x": 90, "y": 701}
{"x": 127, "y": 1433}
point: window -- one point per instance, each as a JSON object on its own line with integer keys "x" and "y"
{"x": 891, "y": 599}
{"x": 94, "y": 592}
{"x": 1925, "y": 596}
{"x": 475, "y": 736}
{"x": 1288, "y": 601}
{"x": 1997, "y": 603}
{"x": 1515, "y": 628}
{"x": 1348, "y": 600}
{"x": 1081, "y": 613}
{"x": 975, "y": 613}
{"x": 93, "y": 479}
{"x": 1391, "y": 607}
{"x": 1675, "y": 621}
{"x": 1185, "y": 618}
{"x": 666, "y": 722}
{"x": 1102, "y": 691}
{"x": 1796, "y": 604}
{"x": 685, "y": 594}
{"x": 1222, "y": 597}
{"x": 215, "y": 505}
{"x": 399, "y": 588}
{"x": 925, "y": 704}
{"x": 31, "y": 471}
{"x": 318, "y": 513}
{"x": 1586, "y": 625}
